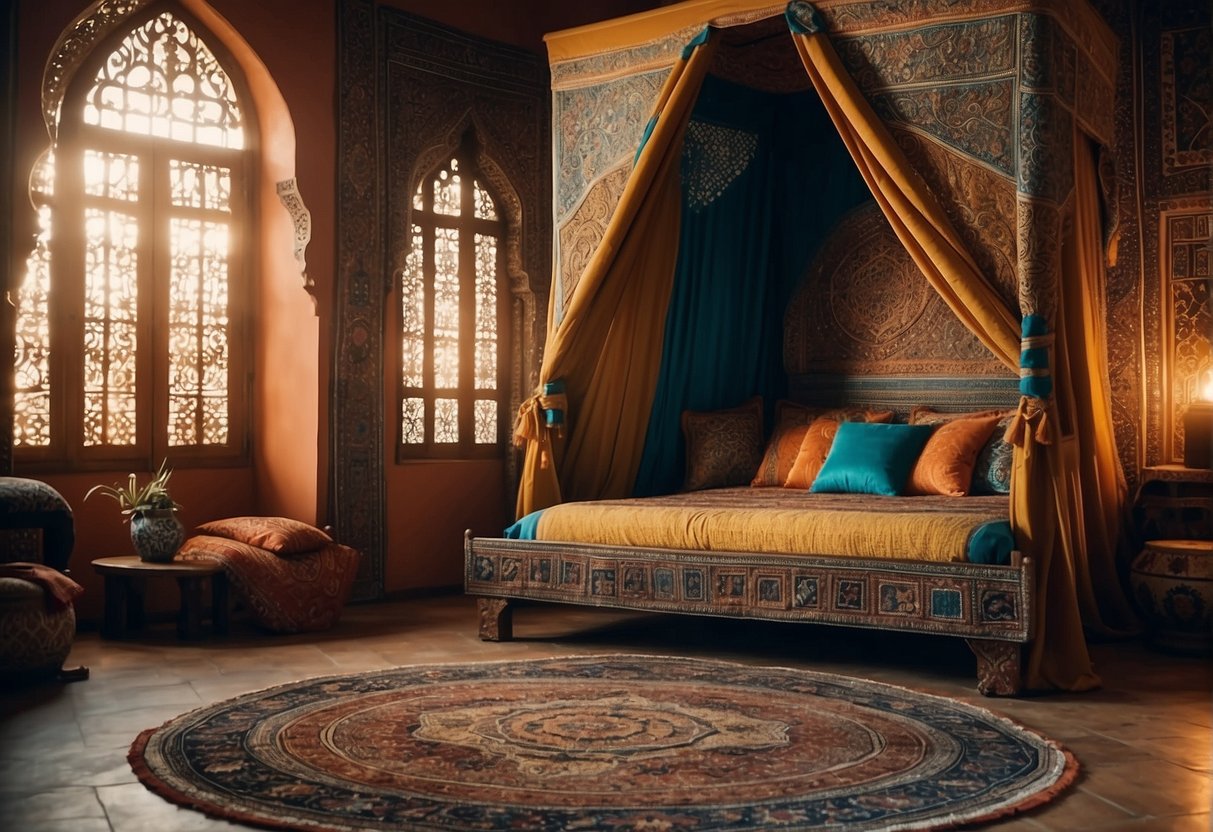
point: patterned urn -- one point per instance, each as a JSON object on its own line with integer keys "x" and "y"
{"x": 157, "y": 534}
{"x": 1173, "y": 583}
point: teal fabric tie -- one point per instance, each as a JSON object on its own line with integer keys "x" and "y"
{"x": 803, "y": 19}
{"x": 553, "y": 416}
{"x": 644, "y": 138}
{"x": 699, "y": 40}
{"x": 1034, "y": 376}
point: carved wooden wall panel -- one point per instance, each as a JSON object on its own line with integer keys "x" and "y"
{"x": 409, "y": 89}
{"x": 1162, "y": 154}
{"x": 844, "y": 319}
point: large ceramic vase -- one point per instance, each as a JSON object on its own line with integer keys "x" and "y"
{"x": 1173, "y": 581}
{"x": 157, "y": 534}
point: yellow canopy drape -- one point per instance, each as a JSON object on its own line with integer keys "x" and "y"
{"x": 607, "y": 347}
{"x": 1101, "y": 538}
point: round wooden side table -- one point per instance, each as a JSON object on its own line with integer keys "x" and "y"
{"x": 125, "y": 580}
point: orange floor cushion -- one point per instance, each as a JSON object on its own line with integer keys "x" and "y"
{"x": 300, "y": 584}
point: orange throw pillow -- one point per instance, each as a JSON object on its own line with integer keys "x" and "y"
{"x": 814, "y": 449}
{"x": 791, "y": 423}
{"x": 946, "y": 463}
{"x": 780, "y": 455}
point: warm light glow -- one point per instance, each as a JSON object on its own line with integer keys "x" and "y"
{"x": 163, "y": 81}
{"x": 1204, "y": 392}
{"x": 442, "y": 350}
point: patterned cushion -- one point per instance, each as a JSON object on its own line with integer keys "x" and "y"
{"x": 286, "y": 595}
{"x": 35, "y": 637}
{"x": 780, "y": 455}
{"x": 280, "y": 535}
{"x": 724, "y": 447}
{"x": 811, "y": 455}
{"x": 992, "y": 470}
{"x": 791, "y": 421}
{"x": 946, "y": 463}
{"x": 871, "y": 458}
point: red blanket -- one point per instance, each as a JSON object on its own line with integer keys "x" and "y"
{"x": 60, "y": 589}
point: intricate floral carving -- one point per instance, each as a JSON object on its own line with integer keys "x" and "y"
{"x": 979, "y": 202}
{"x": 844, "y": 319}
{"x": 938, "y": 54}
{"x": 1038, "y": 257}
{"x": 292, "y": 201}
{"x": 975, "y": 119}
{"x": 581, "y": 234}
{"x": 621, "y": 63}
{"x": 1046, "y": 148}
{"x": 1187, "y": 91}
{"x": 596, "y": 128}
{"x": 74, "y": 46}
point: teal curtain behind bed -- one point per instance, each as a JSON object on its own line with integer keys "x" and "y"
{"x": 765, "y": 177}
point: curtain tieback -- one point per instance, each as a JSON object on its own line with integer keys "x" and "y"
{"x": 539, "y": 414}
{"x": 1031, "y": 410}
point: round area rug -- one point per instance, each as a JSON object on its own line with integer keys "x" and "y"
{"x": 600, "y": 742}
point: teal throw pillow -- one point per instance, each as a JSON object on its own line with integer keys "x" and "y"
{"x": 871, "y": 458}
{"x": 992, "y": 471}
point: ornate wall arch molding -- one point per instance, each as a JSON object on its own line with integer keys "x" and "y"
{"x": 408, "y": 90}
{"x": 467, "y": 132}
{"x": 74, "y": 47}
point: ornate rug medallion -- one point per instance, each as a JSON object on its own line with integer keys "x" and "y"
{"x": 606, "y": 742}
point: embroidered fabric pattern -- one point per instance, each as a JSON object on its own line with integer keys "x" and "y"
{"x": 713, "y": 159}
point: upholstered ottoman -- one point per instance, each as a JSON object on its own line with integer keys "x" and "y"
{"x": 35, "y": 637}
{"x": 291, "y": 576}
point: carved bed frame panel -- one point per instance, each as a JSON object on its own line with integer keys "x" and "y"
{"x": 991, "y": 607}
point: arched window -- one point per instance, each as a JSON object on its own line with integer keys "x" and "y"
{"x": 452, "y": 319}
{"x": 130, "y": 334}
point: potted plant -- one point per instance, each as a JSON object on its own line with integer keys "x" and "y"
{"x": 155, "y": 530}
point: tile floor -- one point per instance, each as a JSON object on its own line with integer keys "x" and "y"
{"x": 1144, "y": 740}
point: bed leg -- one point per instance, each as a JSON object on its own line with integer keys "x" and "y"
{"x": 998, "y": 666}
{"x": 496, "y": 619}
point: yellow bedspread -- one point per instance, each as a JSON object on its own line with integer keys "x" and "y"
{"x": 783, "y": 521}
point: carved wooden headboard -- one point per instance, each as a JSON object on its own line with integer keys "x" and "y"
{"x": 865, "y": 327}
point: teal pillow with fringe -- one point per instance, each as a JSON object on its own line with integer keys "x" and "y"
{"x": 992, "y": 471}
{"x": 871, "y": 458}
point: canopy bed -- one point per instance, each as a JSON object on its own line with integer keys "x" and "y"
{"x": 841, "y": 205}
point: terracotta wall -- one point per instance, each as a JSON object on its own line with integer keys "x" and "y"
{"x": 288, "y": 63}
{"x": 287, "y": 470}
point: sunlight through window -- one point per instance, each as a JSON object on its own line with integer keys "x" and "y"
{"x": 152, "y": 266}
{"x": 449, "y": 315}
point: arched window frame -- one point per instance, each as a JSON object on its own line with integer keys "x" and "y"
{"x": 423, "y": 221}
{"x": 71, "y": 138}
